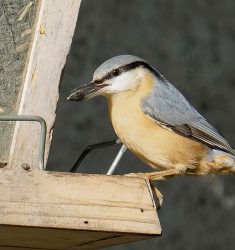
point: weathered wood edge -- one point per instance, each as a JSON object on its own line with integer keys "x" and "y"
{"x": 93, "y": 203}
{"x": 17, "y": 19}
{"x": 49, "y": 240}
{"x": 92, "y": 198}
{"x": 51, "y": 43}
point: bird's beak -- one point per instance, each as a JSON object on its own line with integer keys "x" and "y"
{"x": 87, "y": 91}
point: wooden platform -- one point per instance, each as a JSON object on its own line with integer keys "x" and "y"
{"x": 50, "y": 210}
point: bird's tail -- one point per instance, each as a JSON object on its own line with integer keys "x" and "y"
{"x": 232, "y": 170}
{"x": 233, "y": 152}
{"x": 224, "y": 161}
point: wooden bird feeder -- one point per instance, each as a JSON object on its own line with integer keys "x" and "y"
{"x": 54, "y": 210}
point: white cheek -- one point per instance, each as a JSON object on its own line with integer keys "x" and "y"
{"x": 125, "y": 81}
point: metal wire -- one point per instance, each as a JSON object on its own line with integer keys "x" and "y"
{"x": 117, "y": 160}
{"x": 90, "y": 148}
{"x": 42, "y": 139}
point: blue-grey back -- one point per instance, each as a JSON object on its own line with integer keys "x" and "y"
{"x": 169, "y": 107}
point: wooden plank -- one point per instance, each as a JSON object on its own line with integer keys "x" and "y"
{"x": 94, "y": 210}
{"x": 100, "y": 199}
{"x": 44, "y": 238}
{"x": 17, "y": 19}
{"x": 50, "y": 45}
{"x": 112, "y": 241}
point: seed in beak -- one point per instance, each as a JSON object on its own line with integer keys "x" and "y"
{"x": 77, "y": 96}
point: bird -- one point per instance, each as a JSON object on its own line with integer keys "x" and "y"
{"x": 156, "y": 122}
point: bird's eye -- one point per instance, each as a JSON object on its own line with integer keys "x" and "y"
{"x": 115, "y": 72}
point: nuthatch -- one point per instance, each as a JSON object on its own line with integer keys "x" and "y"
{"x": 155, "y": 121}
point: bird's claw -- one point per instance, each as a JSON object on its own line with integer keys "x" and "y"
{"x": 139, "y": 175}
{"x": 146, "y": 176}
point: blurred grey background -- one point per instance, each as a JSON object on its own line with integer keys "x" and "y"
{"x": 192, "y": 43}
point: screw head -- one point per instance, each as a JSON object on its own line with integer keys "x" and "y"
{"x": 25, "y": 166}
{"x": 3, "y": 164}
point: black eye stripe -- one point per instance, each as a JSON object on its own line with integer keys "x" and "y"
{"x": 118, "y": 71}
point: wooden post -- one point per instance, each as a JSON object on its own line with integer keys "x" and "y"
{"x": 32, "y": 74}
{"x": 17, "y": 19}
{"x": 49, "y": 210}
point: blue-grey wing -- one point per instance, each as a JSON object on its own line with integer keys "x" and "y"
{"x": 168, "y": 107}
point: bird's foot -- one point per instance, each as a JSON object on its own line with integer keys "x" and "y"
{"x": 152, "y": 176}
{"x": 147, "y": 178}
{"x": 159, "y": 196}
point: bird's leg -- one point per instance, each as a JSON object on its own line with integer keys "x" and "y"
{"x": 161, "y": 175}
{"x": 92, "y": 147}
{"x": 158, "y": 175}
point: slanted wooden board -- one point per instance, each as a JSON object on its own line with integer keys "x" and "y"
{"x": 49, "y": 210}
{"x": 32, "y": 72}
{"x": 17, "y": 19}
{"x": 50, "y": 46}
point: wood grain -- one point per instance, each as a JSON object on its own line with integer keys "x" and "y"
{"x": 40, "y": 89}
{"x": 15, "y": 39}
{"x": 84, "y": 210}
